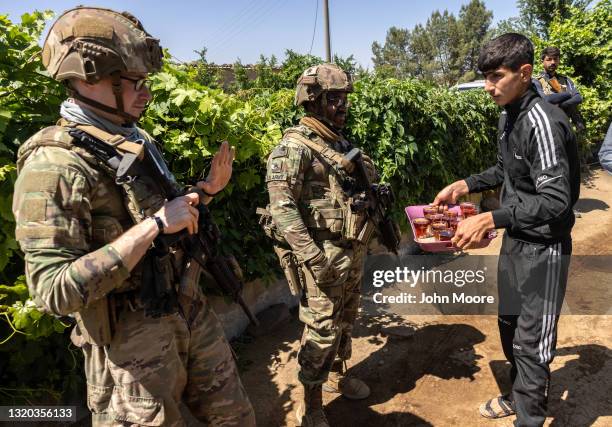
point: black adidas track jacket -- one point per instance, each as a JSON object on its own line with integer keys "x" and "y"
{"x": 538, "y": 165}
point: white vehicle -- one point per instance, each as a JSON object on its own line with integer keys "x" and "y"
{"x": 476, "y": 84}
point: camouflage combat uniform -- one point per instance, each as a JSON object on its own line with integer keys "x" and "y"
{"x": 309, "y": 209}
{"x": 139, "y": 368}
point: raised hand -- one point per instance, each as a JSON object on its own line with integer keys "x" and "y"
{"x": 220, "y": 170}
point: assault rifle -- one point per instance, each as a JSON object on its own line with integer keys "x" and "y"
{"x": 201, "y": 247}
{"x": 378, "y": 201}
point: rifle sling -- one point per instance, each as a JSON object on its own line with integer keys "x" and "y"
{"x": 328, "y": 153}
{"x": 117, "y": 142}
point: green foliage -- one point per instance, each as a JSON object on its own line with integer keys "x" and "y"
{"x": 271, "y": 76}
{"x": 584, "y": 39}
{"x": 8, "y": 245}
{"x": 539, "y": 14}
{"x": 443, "y": 50}
{"x": 422, "y": 137}
{"x": 37, "y": 362}
{"x": 192, "y": 120}
{"x": 206, "y": 74}
{"x": 28, "y": 101}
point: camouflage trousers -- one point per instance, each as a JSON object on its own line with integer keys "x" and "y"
{"x": 153, "y": 366}
{"x": 329, "y": 312}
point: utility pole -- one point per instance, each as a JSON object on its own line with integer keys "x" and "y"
{"x": 326, "y": 25}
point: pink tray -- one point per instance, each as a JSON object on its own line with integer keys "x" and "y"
{"x": 413, "y": 212}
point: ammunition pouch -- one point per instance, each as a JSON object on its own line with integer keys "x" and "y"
{"x": 355, "y": 223}
{"x": 321, "y": 214}
{"x": 157, "y": 291}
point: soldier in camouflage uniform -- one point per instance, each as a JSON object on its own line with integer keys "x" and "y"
{"x": 86, "y": 236}
{"x": 321, "y": 243}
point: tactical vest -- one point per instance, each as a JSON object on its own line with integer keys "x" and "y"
{"x": 547, "y": 87}
{"x": 325, "y": 203}
{"x": 128, "y": 204}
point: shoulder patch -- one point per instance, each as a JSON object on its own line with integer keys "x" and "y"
{"x": 279, "y": 151}
{"x": 39, "y": 180}
{"x": 276, "y": 176}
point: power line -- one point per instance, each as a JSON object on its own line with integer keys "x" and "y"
{"x": 314, "y": 30}
{"x": 256, "y": 20}
{"x": 239, "y": 27}
{"x": 237, "y": 22}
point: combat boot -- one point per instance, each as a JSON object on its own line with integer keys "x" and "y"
{"x": 350, "y": 387}
{"x": 310, "y": 409}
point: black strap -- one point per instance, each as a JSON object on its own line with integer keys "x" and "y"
{"x": 100, "y": 150}
{"x": 157, "y": 297}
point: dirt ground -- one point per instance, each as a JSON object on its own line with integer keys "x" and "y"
{"x": 445, "y": 366}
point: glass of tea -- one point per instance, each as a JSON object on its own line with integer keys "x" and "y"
{"x": 468, "y": 209}
{"x": 420, "y": 227}
{"x": 446, "y": 235}
{"x": 439, "y": 218}
{"x": 429, "y": 211}
{"x": 437, "y": 228}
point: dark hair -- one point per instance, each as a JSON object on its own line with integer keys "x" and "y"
{"x": 551, "y": 51}
{"x": 508, "y": 50}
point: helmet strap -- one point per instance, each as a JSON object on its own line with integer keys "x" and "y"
{"x": 323, "y": 107}
{"x": 117, "y": 91}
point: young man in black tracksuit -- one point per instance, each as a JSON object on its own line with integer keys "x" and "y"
{"x": 537, "y": 163}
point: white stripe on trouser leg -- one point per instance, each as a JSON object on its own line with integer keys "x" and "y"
{"x": 538, "y": 139}
{"x": 543, "y": 137}
{"x": 550, "y": 318}
{"x": 545, "y": 306}
{"x": 550, "y": 304}
{"x": 553, "y": 305}
{"x": 549, "y": 134}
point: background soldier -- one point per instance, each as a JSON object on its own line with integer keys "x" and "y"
{"x": 150, "y": 339}
{"x": 559, "y": 89}
{"x": 321, "y": 241}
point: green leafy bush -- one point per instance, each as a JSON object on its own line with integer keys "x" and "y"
{"x": 586, "y": 56}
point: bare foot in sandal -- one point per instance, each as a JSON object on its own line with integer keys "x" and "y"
{"x": 498, "y": 407}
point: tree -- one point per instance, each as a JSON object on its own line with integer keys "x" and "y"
{"x": 443, "y": 50}
{"x": 474, "y": 21}
{"x": 437, "y": 48}
{"x": 394, "y": 57}
{"x": 535, "y": 16}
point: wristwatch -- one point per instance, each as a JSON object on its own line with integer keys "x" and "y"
{"x": 159, "y": 222}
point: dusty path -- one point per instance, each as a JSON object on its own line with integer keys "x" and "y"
{"x": 448, "y": 365}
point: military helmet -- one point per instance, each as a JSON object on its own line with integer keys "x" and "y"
{"x": 88, "y": 43}
{"x": 320, "y": 79}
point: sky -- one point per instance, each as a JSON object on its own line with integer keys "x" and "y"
{"x": 246, "y": 29}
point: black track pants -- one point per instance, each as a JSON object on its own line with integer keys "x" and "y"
{"x": 531, "y": 279}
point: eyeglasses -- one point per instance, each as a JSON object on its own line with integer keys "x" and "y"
{"x": 139, "y": 84}
{"x": 337, "y": 100}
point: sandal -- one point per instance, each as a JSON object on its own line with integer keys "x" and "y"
{"x": 497, "y": 407}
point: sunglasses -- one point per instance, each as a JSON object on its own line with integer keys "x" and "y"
{"x": 337, "y": 100}
{"x": 139, "y": 84}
